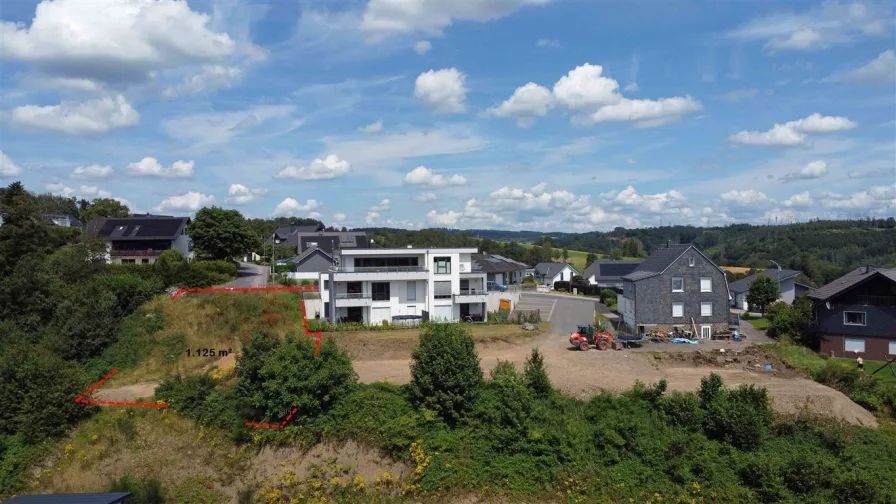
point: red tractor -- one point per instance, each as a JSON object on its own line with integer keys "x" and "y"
{"x": 585, "y": 338}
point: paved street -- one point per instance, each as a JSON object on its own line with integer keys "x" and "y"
{"x": 564, "y": 312}
{"x": 251, "y": 275}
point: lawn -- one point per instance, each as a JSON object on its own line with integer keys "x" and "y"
{"x": 577, "y": 257}
{"x": 809, "y": 361}
{"x": 760, "y": 323}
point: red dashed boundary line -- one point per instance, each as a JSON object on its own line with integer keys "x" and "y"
{"x": 82, "y": 399}
{"x": 273, "y": 425}
{"x": 313, "y": 334}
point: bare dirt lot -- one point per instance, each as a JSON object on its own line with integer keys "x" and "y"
{"x": 582, "y": 374}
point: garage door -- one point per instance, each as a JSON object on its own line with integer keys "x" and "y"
{"x": 380, "y": 314}
{"x": 441, "y": 314}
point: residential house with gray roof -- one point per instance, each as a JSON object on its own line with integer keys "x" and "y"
{"x": 549, "y": 272}
{"x": 856, "y": 314}
{"x": 141, "y": 240}
{"x": 786, "y": 279}
{"x": 607, "y": 274}
{"x": 317, "y": 251}
{"x": 499, "y": 270}
{"x": 677, "y": 286}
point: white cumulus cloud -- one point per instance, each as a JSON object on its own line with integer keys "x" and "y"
{"x": 114, "y": 40}
{"x": 442, "y": 90}
{"x": 84, "y": 191}
{"x": 880, "y": 69}
{"x": 190, "y": 201}
{"x": 383, "y": 206}
{"x": 585, "y": 87}
{"x": 77, "y": 118}
{"x": 386, "y": 18}
{"x": 210, "y": 78}
{"x": 374, "y": 127}
{"x": 425, "y": 177}
{"x": 812, "y": 170}
{"x": 150, "y": 167}
{"x": 793, "y": 133}
{"x": 7, "y": 167}
{"x": 648, "y": 113}
{"x": 239, "y": 194}
{"x": 328, "y": 168}
{"x": 289, "y": 207}
{"x": 526, "y": 103}
{"x": 422, "y": 47}
{"x": 93, "y": 171}
{"x": 425, "y": 197}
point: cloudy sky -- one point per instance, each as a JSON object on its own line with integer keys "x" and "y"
{"x": 515, "y": 114}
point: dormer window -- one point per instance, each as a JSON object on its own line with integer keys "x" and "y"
{"x": 691, "y": 262}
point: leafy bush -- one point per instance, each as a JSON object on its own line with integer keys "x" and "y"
{"x": 148, "y": 491}
{"x": 186, "y": 395}
{"x": 445, "y": 373}
{"x": 292, "y": 376}
{"x": 562, "y": 286}
{"x": 39, "y": 390}
{"x": 741, "y": 417}
{"x": 514, "y": 317}
{"x": 608, "y": 296}
{"x": 683, "y": 410}
{"x": 505, "y": 406}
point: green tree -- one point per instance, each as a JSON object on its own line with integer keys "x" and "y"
{"x": 616, "y": 254}
{"x": 536, "y": 376}
{"x": 218, "y": 233}
{"x": 445, "y": 373}
{"x": 294, "y": 377}
{"x": 763, "y": 292}
{"x": 590, "y": 259}
{"x": 103, "y": 207}
{"x": 564, "y": 254}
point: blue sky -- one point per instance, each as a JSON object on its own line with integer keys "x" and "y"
{"x": 518, "y": 114}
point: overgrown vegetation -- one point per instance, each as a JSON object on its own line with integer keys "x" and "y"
{"x": 61, "y": 308}
{"x": 513, "y": 435}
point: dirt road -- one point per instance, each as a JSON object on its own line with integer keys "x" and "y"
{"x": 582, "y": 374}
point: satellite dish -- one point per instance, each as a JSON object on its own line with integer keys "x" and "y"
{"x": 463, "y": 267}
{"x": 827, "y": 304}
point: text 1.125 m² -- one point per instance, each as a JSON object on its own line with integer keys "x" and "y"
{"x": 208, "y": 352}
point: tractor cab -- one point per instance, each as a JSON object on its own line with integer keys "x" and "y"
{"x": 586, "y": 332}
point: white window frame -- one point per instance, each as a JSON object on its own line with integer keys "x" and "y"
{"x": 858, "y": 345}
{"x": 892, "y": 347}
{"x": 706, "y": 332}
{"x": 704, "y": 305}
{"x": 673, "y": 284}
{"x": 412, "y": 291}
{"x": 682, "y": 310}
{"x": 708, "y": 289}
{"x": 691, "y": 262}
{"x": 864, "y": 318}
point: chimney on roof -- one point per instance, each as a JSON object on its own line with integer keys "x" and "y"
{"x": 668, "y": 243}
{"x": 869, "y": 268}
{"x": 372, "y": 244}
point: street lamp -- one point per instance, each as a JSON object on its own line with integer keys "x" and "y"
{"x": 778, "y": 275}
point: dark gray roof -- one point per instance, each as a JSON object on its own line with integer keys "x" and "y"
{"x": 549, "y": 269}
{"x": 743, "y": 285}
{"x": 850, "y": 280}
{"x": 330, "y": 242}
{"x": 660, "y": 259}
{"x": 493, "y": 263}
{"x": 86, "y": 498}
{"x": 73, "y": 221}
{"x": 608, "y": 270}
{"x": 299, "y": 259}
{"x": 137, "y": 228}
{"x": 284, "y": 231}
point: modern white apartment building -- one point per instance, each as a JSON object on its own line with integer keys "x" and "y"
{"x": 390, "y": 284}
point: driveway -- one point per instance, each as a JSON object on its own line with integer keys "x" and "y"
{"x": 251, "y": 275}
{"x": 564, "y": 312}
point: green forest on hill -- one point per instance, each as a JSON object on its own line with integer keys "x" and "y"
{"x": 822, "y": 249}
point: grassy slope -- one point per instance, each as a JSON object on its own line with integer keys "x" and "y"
{"x": 153, "y": 342}
{"x": 577, "y": 257}
{"x": 806, "y": 360}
